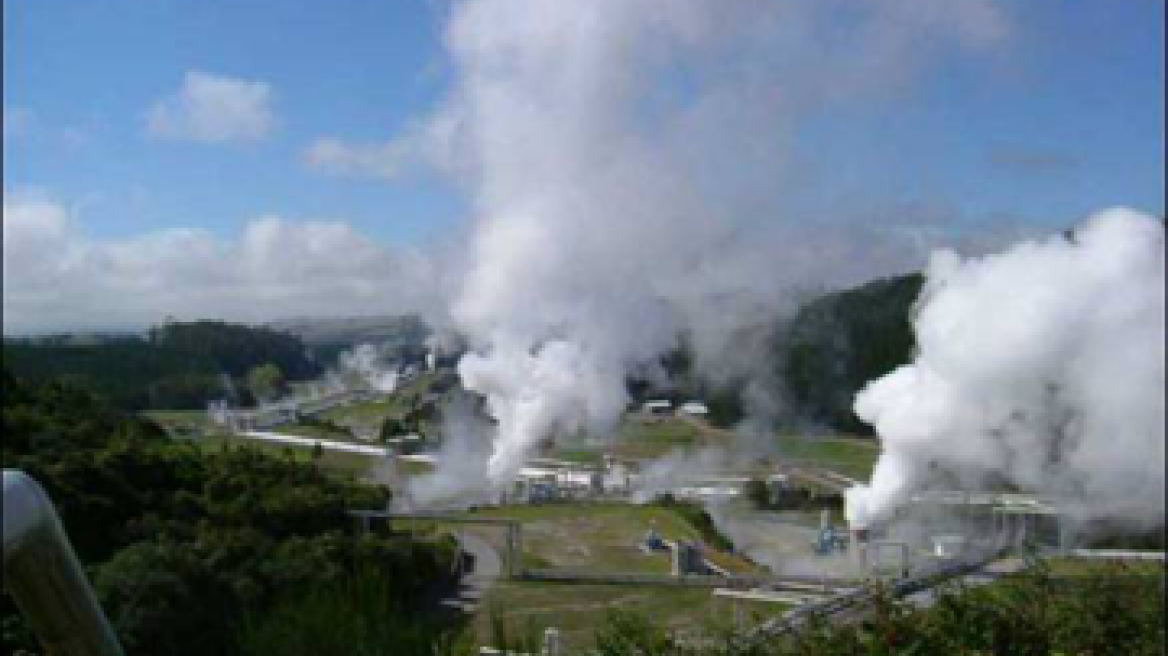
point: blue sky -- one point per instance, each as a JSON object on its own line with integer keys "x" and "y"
{"x": 1062, "y": 119}
{"x": 85, "y": 72}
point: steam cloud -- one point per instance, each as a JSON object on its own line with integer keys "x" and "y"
{"x": 367, "y": 362}
{"x": 626, "y": 161}
{"x": 1042, "y": 366}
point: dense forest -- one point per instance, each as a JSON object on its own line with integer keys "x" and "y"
{"x": 195, "y": 552}
{"x": 838, "y": 343}
{"x": 176, "y": 366}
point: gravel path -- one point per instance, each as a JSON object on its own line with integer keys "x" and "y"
{"x": 486, "y": 567}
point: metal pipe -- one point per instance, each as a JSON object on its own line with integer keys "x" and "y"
{"x": 858, "y": 550}
{"x": 44, "y": 577}
{"x": 855, "y": 599}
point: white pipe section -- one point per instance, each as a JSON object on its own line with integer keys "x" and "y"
{"x": 42, "y": 574}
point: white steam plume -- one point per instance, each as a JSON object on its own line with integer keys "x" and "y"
{"x": 625, "y": 160}
{"x": 1042, "y": 366}
{"x": 458, "y": 479}
{"x": 367, "y": 362}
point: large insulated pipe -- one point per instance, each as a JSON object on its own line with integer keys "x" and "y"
{"x": 44, "y": 577}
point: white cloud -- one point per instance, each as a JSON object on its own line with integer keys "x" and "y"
{"x": 426, "y": 143}
{"x": 57, "y": 278}
{"x": 214, "y": 109}
{"x": 340, "y": 158}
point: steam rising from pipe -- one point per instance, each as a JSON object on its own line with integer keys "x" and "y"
{"x": 367, "y": 363}
{"x": 1043, "y": 367}
{"x": 625, "y": 160}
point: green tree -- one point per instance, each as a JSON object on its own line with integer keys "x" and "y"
{"x": 393, "y": 427}
{"x": 839, "y": 343}
{"x": 266, "y": 381}
{"x": 759, "y": 493}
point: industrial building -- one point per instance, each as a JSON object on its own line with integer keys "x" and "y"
{"x": 951, "y": 525}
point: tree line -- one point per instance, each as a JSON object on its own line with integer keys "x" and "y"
{"x": 174, "y": 366}
{"x": 834, "y": 345}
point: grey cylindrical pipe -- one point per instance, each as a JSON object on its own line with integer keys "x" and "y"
{"x": 44, "y": 577}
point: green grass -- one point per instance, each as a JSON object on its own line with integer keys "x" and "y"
{"x": 577, "y": 610}
{"x": 640, "y": 438}
{"x": 599, "y": 537}
{"x": 853, "y": 457}
{"x": 395, "y": 405}
{"x": 318, "y": 432}
{"x": 365, "y": 412}
{"x": 179, "y": 420}
{"x": 414, "y": 468}
{"x": 652, "y": 438}
{"x": 356, "y": 464}
{"x": 643, "y": 438}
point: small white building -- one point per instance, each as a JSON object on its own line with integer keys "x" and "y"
{"x": 657, "y": 407}
{"x": 694, "y": 409}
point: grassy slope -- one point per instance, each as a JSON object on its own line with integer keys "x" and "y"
{"x": 353, "y": 463}
{"x": 597, "y": 537}
{"x": 319, "y": 432}
{"x": 367, "y": 412}
{"x": 576, "y": 610}
{"x": 357, "y": 464}
{"x": 375, "y": 412}
{"x": 849, "y": 456}
{"x": 178, "y": 419}
{"x": 642, "y": 438}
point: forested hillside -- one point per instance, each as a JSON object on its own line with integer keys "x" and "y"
{"x": 236, "y": 348}
{"x": 192, "y": 552}
{"x": 178, "y": 366}
{"x": 830, "y": 349}
{"x": 840, "y": 342}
